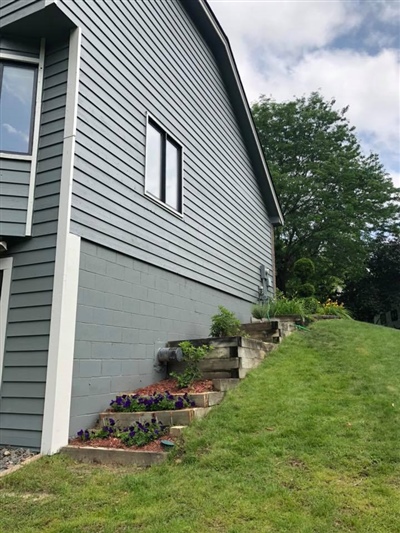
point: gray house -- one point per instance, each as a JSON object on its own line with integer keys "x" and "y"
{"x": 134, "y": 200}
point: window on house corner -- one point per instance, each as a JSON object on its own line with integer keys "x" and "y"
{"x": 17, "y": 102}
{"x": 163, "y": 167}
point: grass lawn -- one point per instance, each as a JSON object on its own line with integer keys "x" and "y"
{"x": 309, "y": 442}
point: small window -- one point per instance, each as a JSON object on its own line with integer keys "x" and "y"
{"x": 163, "y": 167}
{"x": 17, "y": 102}
{"x": 394, "y": 315}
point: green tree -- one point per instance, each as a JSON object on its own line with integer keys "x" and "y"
{"x": 377, "y": 290}
{"x": 333, "y": 197}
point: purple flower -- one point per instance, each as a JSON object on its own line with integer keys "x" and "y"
{"x": 112, "y": 422}
{"x": 179, "y": 404}
{"x": 80, "y": 433}
{"x": 132, "y": 434}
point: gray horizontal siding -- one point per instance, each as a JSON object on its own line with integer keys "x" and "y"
{"x": 25, "y": 363}
{"x": 15, "y": 174}
{"x": 149, "y": 57}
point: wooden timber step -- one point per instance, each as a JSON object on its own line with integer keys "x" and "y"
{"x": 204, "y": 399}
{"x": 176, "y": 431}
{"x": 201, "y": 399}
{"x": 180, "y": 417}
{"x": 88, "y": 454}
{"x": 224, "y": 385}
{"x": 212, "y": 368}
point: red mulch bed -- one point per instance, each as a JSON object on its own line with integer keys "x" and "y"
{"x": 113, "y": 442}
{"x": 171, "y": 385}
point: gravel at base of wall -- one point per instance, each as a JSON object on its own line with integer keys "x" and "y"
{"x": 10, "y": 457}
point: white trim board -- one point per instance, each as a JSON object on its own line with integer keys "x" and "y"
{"x": 19, "y": 57}
{"x": 57, "y": 403}
{"x": 6, "y": 267}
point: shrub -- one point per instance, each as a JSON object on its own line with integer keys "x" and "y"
{"x": 192, "y": 355}
{"x": 306, "y": 290}
{"x": 311, "y": 305}
{"x": 224, "y": 324}
{"x": 304, "y": 269}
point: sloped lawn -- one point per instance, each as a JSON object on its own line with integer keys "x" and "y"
{"x": 309, "y": 442}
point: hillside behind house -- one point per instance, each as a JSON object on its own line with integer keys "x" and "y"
{"x": 308, "y": 442}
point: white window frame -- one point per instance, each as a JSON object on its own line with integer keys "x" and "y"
{"x": 39, "y": 61}
{"x": 6, "y": 267}
{"x": 175, "y": 212}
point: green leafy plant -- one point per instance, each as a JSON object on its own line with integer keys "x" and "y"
{"x": 260, "y": 311}
{"x": 279, "y": 306}
{"x": 331, "y": 307}
{"x": 192, "y": 355}
{"x": 138, "y": 434}
{"x": 224, "y": 324}
{"x": 286, "y": 306}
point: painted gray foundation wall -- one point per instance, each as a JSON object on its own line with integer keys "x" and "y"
{"x": 27, "y": 337}
{"x": 126, "y": 310}
{"x": 15, "y": 174}
{"x": 140, "y": 57}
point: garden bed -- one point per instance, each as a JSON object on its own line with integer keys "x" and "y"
{"x": 114, "y": 443}
{"x": 171, "y": 386}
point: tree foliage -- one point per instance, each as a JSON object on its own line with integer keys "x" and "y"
{"x": 377, "y": 290}
{"x": 333, "y": 197}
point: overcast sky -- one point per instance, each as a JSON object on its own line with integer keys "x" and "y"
{"x": 347, "y": 49}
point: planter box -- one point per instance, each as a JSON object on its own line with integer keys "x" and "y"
{"x": 180, "y": 417}
{"x": 87, "y": 454}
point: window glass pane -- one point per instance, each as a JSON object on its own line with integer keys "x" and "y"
{"x": 172, "y": 185}
{"x": 16, "y": 99}
{"x": 153, "y": 163}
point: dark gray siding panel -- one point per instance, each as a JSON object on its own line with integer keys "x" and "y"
{"x": 25, "y": 47}
{"x": 15, "y": 174}
{"x": 25, "y": 362}
{"x": 11, "y": 10}
{"x": 126, "y": 310}
{"x": 149, "y": 57}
